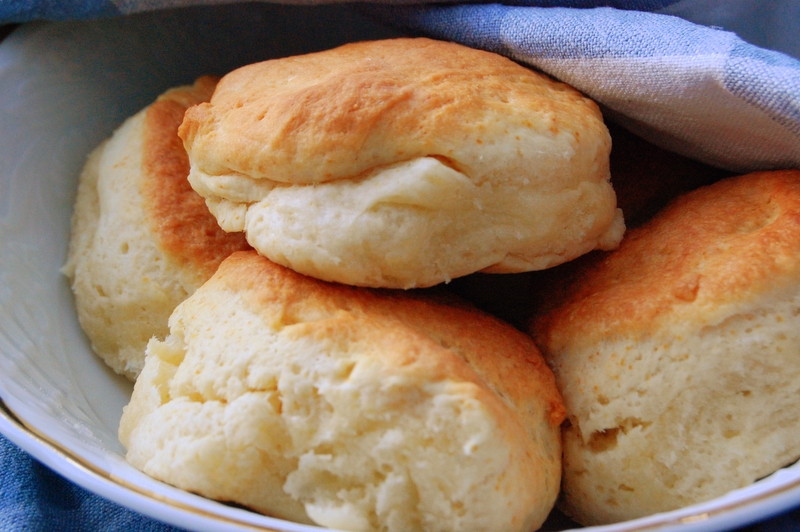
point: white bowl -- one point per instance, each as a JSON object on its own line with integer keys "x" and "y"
{"x": 63, "y": 88}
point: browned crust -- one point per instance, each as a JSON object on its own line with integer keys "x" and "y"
{"x": 339, "y": 113}
{"x": 186, "y": 231}
{"x": 724, "y": 244}
{"x": 442, "y": 334}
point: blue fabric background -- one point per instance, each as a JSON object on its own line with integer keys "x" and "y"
{"x": 34, "y": 498}
{"x": 27, "y": 10}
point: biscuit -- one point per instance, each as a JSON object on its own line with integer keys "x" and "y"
{"x": 677, "y": 354}
{"x": 404, "y": 163}
{"x": 645, "y": 179}
{"x": 142, "y": 240}
{"x": 347, "y": 407}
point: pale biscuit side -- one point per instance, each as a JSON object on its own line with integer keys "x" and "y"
{"x": 123, "y": 284}
{"x": 669, "y": 421}
{"x": 316, "y": 402}
{"x": 142, "y": 240}
{"x": 677, "y": 354}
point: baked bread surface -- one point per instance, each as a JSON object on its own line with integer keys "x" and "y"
{"x": 142, "y": 240}
{"x": 677, "y": 354}
{"x": 403, "y": 163}
{"x": 349, "y": 408}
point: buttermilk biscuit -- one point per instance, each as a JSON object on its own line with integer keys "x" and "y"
{"x": 678, "y": 355}
{"x": 142, "y": 240}
{"x": 404, "y": 163}
{"x": 349, "y": 408}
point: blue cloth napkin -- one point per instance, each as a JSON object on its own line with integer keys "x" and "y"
{"x": 34, "y": 498}
{"x": 696, "y": 90}
{"x": 716, "y": 80}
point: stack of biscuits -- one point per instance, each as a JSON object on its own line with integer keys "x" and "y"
{"x": 269, "y": 257}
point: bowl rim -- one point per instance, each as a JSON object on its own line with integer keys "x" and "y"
{"x": 772, "y": 501}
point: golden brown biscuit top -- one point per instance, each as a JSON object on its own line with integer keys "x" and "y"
{"x": 724, "y": 244}
{"x": 339, "y": 113}
{"x": 177, "y": 214}
{"x": 430, "y": 330}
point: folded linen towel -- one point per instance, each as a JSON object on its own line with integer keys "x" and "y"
{"x": 695, "y": 89}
